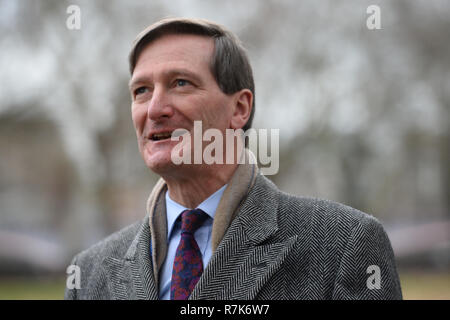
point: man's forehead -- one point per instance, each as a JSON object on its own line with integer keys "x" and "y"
{"x": 174, "y": 54}
{"x": 174, "y": 51}
{"x": 178, "y": 45}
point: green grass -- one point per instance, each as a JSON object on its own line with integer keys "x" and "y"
{"x": 32, "y": 289}
{"x": 419, "y": 285}
{"x": 415, "y": 285}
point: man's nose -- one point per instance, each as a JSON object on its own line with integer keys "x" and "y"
{"x": 159, "y": 106}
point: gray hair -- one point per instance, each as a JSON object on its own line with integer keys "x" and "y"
{"x": 229, "y": 65}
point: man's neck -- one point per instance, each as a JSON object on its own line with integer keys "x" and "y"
{"x": 193, "y": 190}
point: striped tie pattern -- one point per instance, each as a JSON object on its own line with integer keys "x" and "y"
{"x": 188, "y": 265}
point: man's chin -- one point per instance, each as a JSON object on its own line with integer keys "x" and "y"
{"x": 158, "y": 160}
{"x": 168, "y": 169}
{"x": 162, "y": 166}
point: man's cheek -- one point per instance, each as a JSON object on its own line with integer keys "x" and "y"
{"x": 138, "y": 113}
{"x": 139, "y": 126}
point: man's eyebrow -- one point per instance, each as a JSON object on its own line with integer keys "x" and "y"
{"x": 135, "y": 81}
{"x": 182, "y": 72}
{"x": 170, "y": 73}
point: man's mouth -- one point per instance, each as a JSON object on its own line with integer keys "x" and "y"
{"x": 160, "y": 136}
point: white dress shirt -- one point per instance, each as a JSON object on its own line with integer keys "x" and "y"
{"x": 202, "y": 236}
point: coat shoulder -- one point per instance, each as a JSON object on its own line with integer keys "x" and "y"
{"x": 94, "y": 284}
{"x": 319, "y": 221}
{"x": 294, "y": 207}
{"x": 296, "y": 210}
{"x": 115, "y": 245}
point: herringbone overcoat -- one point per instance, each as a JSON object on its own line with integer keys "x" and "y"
{"x": 277, "y": 246}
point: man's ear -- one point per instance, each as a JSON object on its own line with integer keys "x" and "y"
{"x": 242, "y": 108}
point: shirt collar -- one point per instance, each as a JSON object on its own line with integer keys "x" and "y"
{"x": 174, "y": 209}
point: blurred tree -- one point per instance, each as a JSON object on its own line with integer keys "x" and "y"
{"x": 363, "y": 114}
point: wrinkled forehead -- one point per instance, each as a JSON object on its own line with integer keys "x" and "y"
{"x": 168, "y": 53}
{"x": 173, "y": 45}
{"x": 179, "y": 45}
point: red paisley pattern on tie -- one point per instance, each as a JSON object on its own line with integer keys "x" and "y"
{"x": 188, "y": 264}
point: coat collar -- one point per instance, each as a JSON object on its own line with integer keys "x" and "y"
{"x": 234, "y": 194}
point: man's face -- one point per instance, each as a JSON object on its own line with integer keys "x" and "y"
{"x": 172, "y": 86}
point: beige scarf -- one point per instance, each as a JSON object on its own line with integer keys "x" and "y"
{"x": 242, "y": 180}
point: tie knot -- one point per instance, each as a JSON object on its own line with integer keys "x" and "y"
{"x": 191, "y": 220}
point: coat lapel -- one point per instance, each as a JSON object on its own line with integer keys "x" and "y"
{"x": 135, "y": 276}
{"x": 131, "y": 277}
{"x": 246, "y": 258}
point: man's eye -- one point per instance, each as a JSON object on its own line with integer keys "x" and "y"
{"x": 181, "y": 82}
{"x": 140, "y": 90}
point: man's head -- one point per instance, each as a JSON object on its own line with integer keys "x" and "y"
{"x": 229, "y": 63}
{"x": 186, "y": 70}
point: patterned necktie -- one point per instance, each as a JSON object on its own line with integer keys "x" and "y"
{"x": 188, "y": 265}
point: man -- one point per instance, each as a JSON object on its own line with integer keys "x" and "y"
{"x": 223, "y": 230}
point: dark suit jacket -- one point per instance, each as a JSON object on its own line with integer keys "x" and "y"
{"x": 278, "y": 246}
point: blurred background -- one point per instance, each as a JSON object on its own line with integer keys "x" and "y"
{"x": 363, "y": 118}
